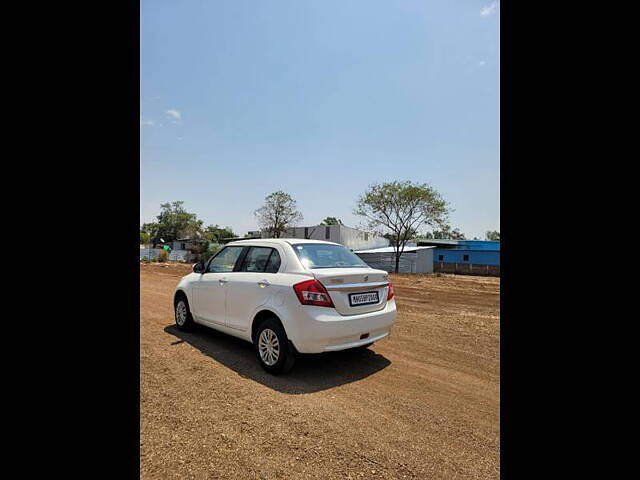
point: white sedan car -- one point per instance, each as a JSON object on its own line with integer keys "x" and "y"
{"x": 287, "y": 296}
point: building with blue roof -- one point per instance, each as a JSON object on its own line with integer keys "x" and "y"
{"x": 476, "y": 257}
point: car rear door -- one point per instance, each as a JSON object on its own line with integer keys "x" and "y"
{"x": 252, "y": 286}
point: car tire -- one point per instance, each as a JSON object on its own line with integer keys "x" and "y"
{"x": 273, "y": 349}
{"x": 183, "y": 317}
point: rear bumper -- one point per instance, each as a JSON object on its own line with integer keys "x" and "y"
{"x": 321, "y": 329}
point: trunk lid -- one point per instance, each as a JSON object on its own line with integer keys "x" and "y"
{"x": 346, "y": 287}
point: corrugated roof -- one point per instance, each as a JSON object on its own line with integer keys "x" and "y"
{"x": 451, "y": 242}
{"x": 391, "y": 250}
{"x": 292, "y": 241}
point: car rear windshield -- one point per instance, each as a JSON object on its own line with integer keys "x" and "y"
{"x": 320, "y": 255}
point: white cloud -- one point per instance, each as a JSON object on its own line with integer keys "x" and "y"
{"x": 489, "y": 9}
{"x": 174, "y": 115}
{"x": 146, "y": 123}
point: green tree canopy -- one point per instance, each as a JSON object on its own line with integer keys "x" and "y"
{"x": 331, "y": 221}
{"x": 173, "y": 222}
{"x": 278, "y": 213}
{"x": 216, "y": 234}
{"x": 149, "y": 227}
{"x": 400, "y": 208}
{"x": 144, "y": 238}
{"x": 392, "y": 237}
{"x": 445, "y": 234}
{"x": 493, "y": 235}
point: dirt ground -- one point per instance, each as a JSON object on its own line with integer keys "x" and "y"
{"x": 423, "y": 403}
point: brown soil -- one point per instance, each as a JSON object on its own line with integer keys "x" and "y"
{"x": 423, "y": 403}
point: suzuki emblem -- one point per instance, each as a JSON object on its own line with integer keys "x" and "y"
{"x": 366, "y": 278}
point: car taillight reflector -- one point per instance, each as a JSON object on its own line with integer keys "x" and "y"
{"x": 390, "y": 292}
{"x": 312, "y": 292}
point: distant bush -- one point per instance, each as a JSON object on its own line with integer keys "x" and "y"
{"x": 209, "y": 251}
{"x": 213, "y": 249}
{"x": 163, "y": 256}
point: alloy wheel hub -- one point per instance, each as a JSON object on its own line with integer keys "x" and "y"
{"x": 269, "y": 347}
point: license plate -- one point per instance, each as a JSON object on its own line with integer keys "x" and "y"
{"x": 365, "y": 298}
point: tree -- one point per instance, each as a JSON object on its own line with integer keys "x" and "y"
{"x": 144, "y": 238}
{"x": 392, "y": 236}
{"x": 152, "y": 230}
{"x": 176, "y": 222}
{"x": 211, "y": 250}
{"x": 149, "y": 228}
{"x": 401, "y": 208}
{"x": 216, "y": 234}
{"x": 455, "y": 234}
{"x": 445, "y": 234}
{"x": 278, "y": 213}
{"x": 493, "y": 235}
{"x": 173, "y": 223}
{"x": 201, "y": 247}
{"x": 331, "y": 221}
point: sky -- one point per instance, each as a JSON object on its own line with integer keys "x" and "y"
{"x": 320, "y": 99}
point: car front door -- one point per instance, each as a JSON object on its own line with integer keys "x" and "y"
{"x": 210, "y": 291}
{"x": 252, "y": 286}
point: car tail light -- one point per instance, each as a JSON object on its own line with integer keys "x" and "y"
{"x": 312, "y": 292}
{"x": 390, "y": 292}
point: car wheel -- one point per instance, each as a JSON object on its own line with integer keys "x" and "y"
{"x": 272, "y": 347}
{"x": 184, "y": 319}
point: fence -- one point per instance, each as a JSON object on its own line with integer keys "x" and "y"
{"x": 387, "y": 261}
{"x": 174, "y": 256}
{"x": 467, "y": 269}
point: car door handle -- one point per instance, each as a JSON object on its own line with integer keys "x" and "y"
{"x": 222, "y": 281}
{"x": 264, "y": 283}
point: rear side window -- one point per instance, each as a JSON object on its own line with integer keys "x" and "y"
{"x": 225, "y": 260}
{"x": 274, "y": 262}
{"x": 261, "y": 259}
{"x": 256, "y": 260}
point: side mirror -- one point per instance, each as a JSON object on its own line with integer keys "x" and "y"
{"x": 198, "y": 267}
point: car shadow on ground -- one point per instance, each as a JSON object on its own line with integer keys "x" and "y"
{"x": 311, "y": 373}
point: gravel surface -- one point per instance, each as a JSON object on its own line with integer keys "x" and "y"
{"x": 423, "y": 403}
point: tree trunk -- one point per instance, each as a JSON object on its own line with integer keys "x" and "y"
{"x": 397, "y": 261}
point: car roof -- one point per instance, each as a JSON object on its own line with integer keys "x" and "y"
{"x": 279, "y": 241}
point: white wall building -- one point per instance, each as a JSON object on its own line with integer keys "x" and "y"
{"x": 351, "y": 238}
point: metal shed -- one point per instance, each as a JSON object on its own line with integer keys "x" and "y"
{"x": 470, "y": 257}
{"x": 412, "y": 260}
